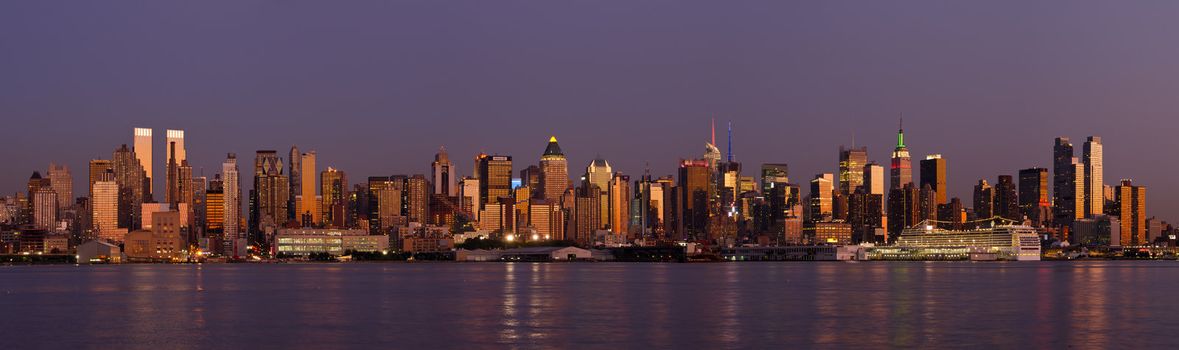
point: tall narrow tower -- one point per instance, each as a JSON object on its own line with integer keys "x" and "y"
{"x": 901, "y": 170}
{"x": 554, "y": 171}
{"x": 443, "y": 174}
{"x": 143, "y": 154}
{"x": 1094, "y": 177}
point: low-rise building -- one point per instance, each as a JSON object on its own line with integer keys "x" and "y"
{"x": 153, "y": 246}
{"x": 307, "y": 241}
{"x": 546, "y": 254}
{"x": 99, "y": 252}
{"x": 57, "y": 244}
{"x": 431, "y": 244}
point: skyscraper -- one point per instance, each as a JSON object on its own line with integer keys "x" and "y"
{"x": 45, "y": 208}
{"x": 176, "y": 137}
{"x": 171, "y": 178}
{"x": 334, "y": 185}
{"x": 822, "y": 192}
{"x": 1131, "y": 206}
{"x": 1006, "y": 199}
{"x": 599, "y": 173}
{"x": 443, "y": 174}
{"x": 417, "y": 195}
{"x": 554, "y": 172}
{"x": 104, "y": 207}
{"x": 901, "y": 170}
{"x": 695, "y": 192}
{"x": 143, "y": 146}
{"x": 620, "y": 202}
{"x": 232, "y": 200}
{"x": 295, "y": 179}
{"x": 309, "y": 204}
{"x": 215, "y": 207}
{"x": 384, "y": 202}
{"x": 200, "y": 210}
{"x": 587, "y": 213}
{"x": 97, "y": 169}
{"x": 903, "y": 209}
{"x": 933, "y": 173}
{"x": 984, "y": 200}
{"x": 62, "y": 183}
{"x": 1094, "y": 177}
{"x": 1064, "y": 184}
{"x": 495, "y": 178}
{"x": 774, "y": 173}
{"x": 270, "y": 189}
{"x": 130, "y": 176}
{"x": 1033, "y": 194}
{"x": 851, "y": 168}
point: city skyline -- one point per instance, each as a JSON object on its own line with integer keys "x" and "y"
{"x": 796, "y": 177}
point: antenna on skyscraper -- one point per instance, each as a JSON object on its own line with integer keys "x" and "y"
{"x": 713, "y": 132}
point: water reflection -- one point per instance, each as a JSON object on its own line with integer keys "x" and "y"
{"x": 755, "y": 305}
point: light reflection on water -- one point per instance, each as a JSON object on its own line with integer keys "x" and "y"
{"x": 523, "y": 305}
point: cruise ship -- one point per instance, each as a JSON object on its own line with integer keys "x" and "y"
{"x": 996, "y": 242}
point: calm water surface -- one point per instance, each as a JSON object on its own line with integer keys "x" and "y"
{"x": 592, "y": 305}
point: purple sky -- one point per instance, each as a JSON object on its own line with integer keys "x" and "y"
{"x": 376, "y": 86}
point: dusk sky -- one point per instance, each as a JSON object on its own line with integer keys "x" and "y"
{"x": 375, "y": 87}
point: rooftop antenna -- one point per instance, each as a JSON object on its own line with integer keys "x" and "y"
{"x": 713, "y": 131}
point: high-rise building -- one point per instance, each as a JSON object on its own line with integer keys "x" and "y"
{"x": 984, "y": 200}
{"x": 36, "y": 182}
{"x": 417, "y": 195}
{"x": 694, "y": 193}
{"x": 232, "y": 200}
{"x": 851, "y": 168}
{"x": 200, "y": 210}
{"x": 469, "y": 197}
{"x": 620, "y": 203}
{"x": 547, "y": 219}
{"x": 1064, "y": 194}
{"x": 866, "y": 215}
{"x": 443, "y": 174}
{"x": 773, "y": 174}
{"x": 98, "y": 167}
{"x": 1033, "y": 194}
{"x": 308, "y": 205}
{"x": 530, "y": 178}
{"x": 384, "y": 195}
{"x": 822, "y": 197}
{"x": 104, "y": 206}
{"x": 1094, "y": 177}
{"x": 143, "y": 147}
{"x": 215, "y": 207}
{"x": 334, "y": 184}
{"x": 599, "y": 173}
{"x": 62, "y": 183}
{"x": 131, "y": 177}
{"x": 586, "y": 216}
{"x": 176, "y": 137}
{"x": 270, "y": 191}
{"x": 901, "y": 169}
{"x": 495, "y": 178}
{"x": 933, "y": 173}
{"x": 171, "y": 177}
{"x": 1007, "y": 200}
{"x": 295, "y": 179}
{"x": 45, "y": 208}
{"x": 1131, "y": 206}
{"x": 184, "y": 193}
{"x": 554, "y": 172}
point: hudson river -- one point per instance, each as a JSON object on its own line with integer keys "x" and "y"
{"x": 1098, "y": 304}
